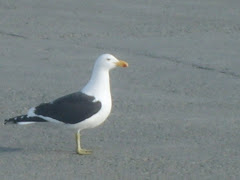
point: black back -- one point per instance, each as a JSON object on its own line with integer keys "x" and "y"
{"x": 70, "y": 109}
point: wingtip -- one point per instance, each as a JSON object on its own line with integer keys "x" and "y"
{"x": 5, "y": 121}
{"x": 8, "y": 121}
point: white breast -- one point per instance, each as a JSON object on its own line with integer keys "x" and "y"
{"x": 98, "y": 87}
{"x": 96, "y": 119}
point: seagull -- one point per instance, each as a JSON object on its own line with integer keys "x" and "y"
{"x": 84, "y": 109}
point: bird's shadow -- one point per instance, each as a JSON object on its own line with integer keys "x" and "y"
{"x": 9, "y": 149}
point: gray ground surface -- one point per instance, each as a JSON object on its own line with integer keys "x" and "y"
{"x": 176, "y": 108}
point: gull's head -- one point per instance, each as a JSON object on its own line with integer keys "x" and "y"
{"x": 109, "y": 62}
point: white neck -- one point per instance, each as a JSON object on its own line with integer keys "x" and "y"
{"x": 98, "y": 85}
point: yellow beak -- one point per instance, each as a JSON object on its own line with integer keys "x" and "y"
{"x": 121, "y": 63}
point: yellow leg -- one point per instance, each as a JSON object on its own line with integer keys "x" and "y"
{"x": 79, "y": 149}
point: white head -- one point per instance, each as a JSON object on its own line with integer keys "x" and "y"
{"x": 108, "y": 62}
{"x": 98, "y": 85}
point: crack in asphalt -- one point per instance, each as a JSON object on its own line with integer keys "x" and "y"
{"x": 12, "y": 35}
{"x": 196, "y": 66}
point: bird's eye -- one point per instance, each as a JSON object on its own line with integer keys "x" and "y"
{"x": 108, "y": 59}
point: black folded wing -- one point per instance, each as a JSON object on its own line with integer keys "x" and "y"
{"x": 70, "y": 109}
